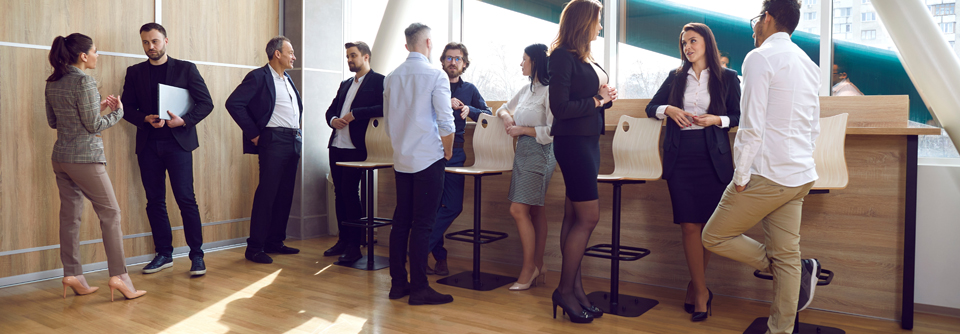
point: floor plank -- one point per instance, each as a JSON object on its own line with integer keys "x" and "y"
{"x": 305, "y": 293}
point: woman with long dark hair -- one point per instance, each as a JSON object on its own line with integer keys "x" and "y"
{"x": 527, "y": 117}
{"x": 73, "y": 108}
{"x": 702, "y": 99}
{"x": 579, "y": 93}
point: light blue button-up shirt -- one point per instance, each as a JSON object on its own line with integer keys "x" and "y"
{"x": 417, "y": 112}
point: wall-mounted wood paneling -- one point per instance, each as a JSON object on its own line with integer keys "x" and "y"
{"x": 113, "y": 24}
{"x": 225, "y": 179}
{"x": 222, "y": 31}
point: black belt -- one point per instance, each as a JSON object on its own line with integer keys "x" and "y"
{"x": 458, "y": 145}
{"x": 283, "y": 130}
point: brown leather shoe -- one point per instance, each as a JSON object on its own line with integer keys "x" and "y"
{"x": 430, "y": 270}
{"x": 442, "y": 269}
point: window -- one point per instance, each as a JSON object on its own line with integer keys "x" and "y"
{"x": 810, "y": 2}
{"x": 841, "y": 28}
{"x": 810, "y": 16}
{"x": 948, "y": 27}
{"x": 868, "y": 16}
{"x": 868, "y": 34}
{"x": 942, "y": 9}
{"x": 842, "y": 12}
{"x": 864, "y": 1}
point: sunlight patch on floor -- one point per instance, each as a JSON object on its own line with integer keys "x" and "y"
{"x": 207, "y": 320}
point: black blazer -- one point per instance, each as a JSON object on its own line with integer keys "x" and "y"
{"x": 573, "y": 84}
{"x": 251, "y": 104}
{"x": 718, "y": 140}
{"x": 366, "y": 105}
{"x": 180, "y": 73}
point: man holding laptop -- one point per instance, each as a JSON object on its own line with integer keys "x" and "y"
{"x": 164, "y": 146}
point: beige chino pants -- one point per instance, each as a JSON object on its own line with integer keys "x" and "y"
{"x": 778, "y": 208}
{"x": 89, "y": 180}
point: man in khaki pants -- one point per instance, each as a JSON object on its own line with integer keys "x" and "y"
{"x": 773, "y": 156}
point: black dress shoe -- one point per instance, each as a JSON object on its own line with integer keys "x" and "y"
{"x": 336, "y": 249}
{"x": 595, "y": 311}
{"x": 197, "y": 268}
{"x": 351, "y": 254}
{"x": 281, "y": 250}
{"x": 809, "y": 275}
{"x": 701, "y": 316}
{"x": 258, "y": 257}
{"x": 429, "y": 296}
{"x": 160, "y": 262}
{"x": 397, "y": 292}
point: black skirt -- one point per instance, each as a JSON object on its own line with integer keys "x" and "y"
{"x": 579, "y": 161}
{"x": 695, "y": 188}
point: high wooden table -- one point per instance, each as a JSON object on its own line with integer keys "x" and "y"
{"x": 865, "y": 233}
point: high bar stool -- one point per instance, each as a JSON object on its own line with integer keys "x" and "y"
{"x": 493, "y": 151}
{"x": 379, "y": 155}
{"x": 832, "y": 171}
{"x": 636, "y": 156}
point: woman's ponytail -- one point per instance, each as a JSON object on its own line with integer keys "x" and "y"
{"x": 65, "y": 51}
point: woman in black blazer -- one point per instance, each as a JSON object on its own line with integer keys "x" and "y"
{"x": 697, "y": 162}
{"x": 578, "y": 95}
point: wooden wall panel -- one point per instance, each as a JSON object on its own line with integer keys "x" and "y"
{"x": 225, "y": 178}
{"x": 113, "y": 24}
{"x": 856, "y": 232}
{"x": 238, "y": 36}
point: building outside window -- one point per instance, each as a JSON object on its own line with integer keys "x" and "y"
{"x": 948, "y": 27}
{"x": 841, "y": 28}
{"x": 943, "y": 9}
{"x": 868, "y": 34}
{"x": 842, "y": 12}
{"x": 868, "y": 16}
{"x": 810, "y": 16}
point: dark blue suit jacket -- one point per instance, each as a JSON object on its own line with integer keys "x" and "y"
{"x": 718, "y": 140}
{"x": 367, "y": 104}
{"x": 251, "y": 104}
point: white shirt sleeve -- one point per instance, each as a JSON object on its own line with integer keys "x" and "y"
{"x": 662, "y": 111}
{"x": 543, "y": 132}
{"x": 510, "y": 106}
{"x": 757, "y": 74}
{"x": 441, "y": 104}
{"x": 724, "y": 121}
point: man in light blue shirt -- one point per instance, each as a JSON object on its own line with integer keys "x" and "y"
{"x": 419, "y": 121}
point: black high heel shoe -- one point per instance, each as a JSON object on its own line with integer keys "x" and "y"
{"x": 582, "y": 318}
{"x": 689, "y": 307}
{"x": 701, "y": 316}
{"x": 593, "y": 310}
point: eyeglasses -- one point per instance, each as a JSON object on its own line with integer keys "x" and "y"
{"x": 452, "y": 59}
{"x": 755, "y": 20}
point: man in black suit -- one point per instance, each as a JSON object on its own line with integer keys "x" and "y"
{"x": 165, "y": 146}
{"x": 358, "y": 100}
{"x": 268, "y": 109}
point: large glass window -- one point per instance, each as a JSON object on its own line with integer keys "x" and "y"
{"x": 942, "y": 9}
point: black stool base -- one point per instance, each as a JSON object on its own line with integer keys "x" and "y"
{"x": 485, "y": 281}
{"x": 759, "y": 326}
{"x": 379, "y": 262}
{"x": 627, "y": 306}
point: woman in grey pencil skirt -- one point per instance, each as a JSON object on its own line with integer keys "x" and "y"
{"x": 527, "y": 116}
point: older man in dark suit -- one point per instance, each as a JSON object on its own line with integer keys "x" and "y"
{"x": 268, "y": 109}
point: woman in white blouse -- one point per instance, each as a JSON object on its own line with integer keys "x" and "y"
{"x": 702, "y": 99}
{"x": 527, "y": 116}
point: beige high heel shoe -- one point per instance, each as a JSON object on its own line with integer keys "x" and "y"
{"x": 533, "y": 281}
{"x": 78, "y": 288}
{"x": 117, "y": 284}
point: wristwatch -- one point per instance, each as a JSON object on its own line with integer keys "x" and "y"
{"x": 599, "y": 98}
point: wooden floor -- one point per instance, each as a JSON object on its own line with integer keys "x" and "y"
{"x": 304, "y": 293}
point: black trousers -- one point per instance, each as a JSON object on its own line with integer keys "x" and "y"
{"x": 346, "y": 185}
{"x": 418, "y": 196}
{"x": 279, "y": 150}
{"x": 158, "y": 158}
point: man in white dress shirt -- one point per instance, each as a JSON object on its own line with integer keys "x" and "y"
{"x": 419, "y": 121}
{"x": 774, "y": 167}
